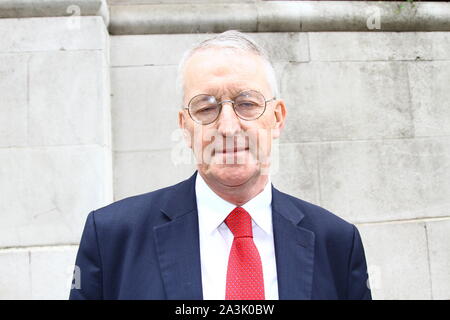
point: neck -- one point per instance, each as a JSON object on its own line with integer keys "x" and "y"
{"x": 240, "y": 194}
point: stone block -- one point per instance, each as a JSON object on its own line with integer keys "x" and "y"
{"x": 145, "y": 171}
{"x": 46, "y": 193}
{"x": 284, "y": 46}
{"x": 397, "y": 260}
{"x": 279, "y": 16}
{"x": 52, "y": 272}
{"x": 144, "y": 107}
{"x": 139, "y": 50}
{"x": 438, "y": 233}
{"x": 135, "y": 2}
{"x": 53, "y": 8}
{"x": 366, "y": 181}
{"x": 154, "y": 49}
{"x": 346, "y": 101}
{"x": 52, "y": 34}
{"x": 170, "y": 16}
{"x": 14, "y": 99}
{"x": 296, "y": 170}
{"x": 66, "y": 99}
{"x": 182, "y": 18}
{"x": 430, "y": 97}
{"x": 379, "y": 46}
{"x": 15, "y": 275}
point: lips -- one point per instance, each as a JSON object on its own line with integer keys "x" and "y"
{"x": 229, "y": 151}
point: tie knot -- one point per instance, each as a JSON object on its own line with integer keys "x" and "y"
{"x": 240, "y": 223}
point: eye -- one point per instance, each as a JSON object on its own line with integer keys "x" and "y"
{"x": 247, "y": 104}
{"x": 207, "y": 109}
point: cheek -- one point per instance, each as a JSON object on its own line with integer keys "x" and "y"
{"x": 207, "y": 136}
{"x": 202, "y": 140}
{"x": 265, "y": 142}
{"x": 260, "y": 142}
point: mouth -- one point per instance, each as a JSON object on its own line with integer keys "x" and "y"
{"x": 230, "y": 151}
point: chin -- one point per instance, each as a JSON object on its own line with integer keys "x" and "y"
{"x": 232, "y": 175}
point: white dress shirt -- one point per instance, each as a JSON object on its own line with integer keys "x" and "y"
{"x": 216, "y": 239}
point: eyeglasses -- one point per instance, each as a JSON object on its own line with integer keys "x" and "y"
{"x": 247, "y": 105}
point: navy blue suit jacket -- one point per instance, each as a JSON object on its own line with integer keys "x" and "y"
{"x": 147, "y": 247}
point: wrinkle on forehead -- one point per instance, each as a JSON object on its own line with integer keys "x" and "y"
{"x": 228, "y": 91}
{"x": 224, "y": 73}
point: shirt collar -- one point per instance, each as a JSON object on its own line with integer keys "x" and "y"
{"x": 260, "y": 208}
{"x": 213, "y": 209}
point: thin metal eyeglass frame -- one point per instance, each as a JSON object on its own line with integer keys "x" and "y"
{"x": 220, "y": 104}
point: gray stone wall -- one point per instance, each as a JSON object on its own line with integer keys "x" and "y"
{"x": 55, "y": 148}
{"x": 88, "y": 117}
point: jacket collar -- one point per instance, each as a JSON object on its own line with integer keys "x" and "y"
{"x": 177, "y": 243}
{"x": 283, "y": 204}
{"x": 181, "y": 199}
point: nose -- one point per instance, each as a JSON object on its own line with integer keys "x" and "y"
{"x": 228, "y": 123}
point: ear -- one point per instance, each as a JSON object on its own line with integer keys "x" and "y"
{"x": 182, "y": 122}
{"x": 280, "y": 117}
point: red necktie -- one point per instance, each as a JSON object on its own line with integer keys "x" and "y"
{"x": 245, "y": 274}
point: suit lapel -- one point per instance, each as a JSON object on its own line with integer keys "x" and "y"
{"x": 177, "y": 243}
{"x": 294, "y": 249}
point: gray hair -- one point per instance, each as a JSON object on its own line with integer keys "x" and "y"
{"x": 228, "y": 39}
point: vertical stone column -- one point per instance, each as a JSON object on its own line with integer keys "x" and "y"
{"x": 55, "y": 147}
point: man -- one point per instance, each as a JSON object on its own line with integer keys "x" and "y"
{"x": 226, "y": 232}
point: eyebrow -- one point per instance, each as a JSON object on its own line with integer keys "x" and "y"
{"x": 234, "y": 91}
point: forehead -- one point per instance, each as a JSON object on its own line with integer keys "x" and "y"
{"x": 220, "y": 71}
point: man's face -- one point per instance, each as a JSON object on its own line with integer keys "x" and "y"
{"x": 230, "y": 151}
